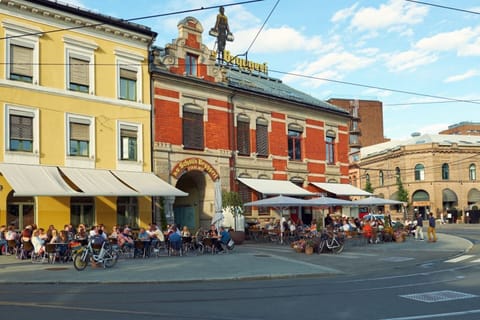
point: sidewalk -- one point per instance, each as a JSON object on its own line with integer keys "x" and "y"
{"x": 247, "y": 261}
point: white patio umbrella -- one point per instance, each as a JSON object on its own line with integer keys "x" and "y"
{"x": 327, "y": 202}
{"x": 218, "y": 216}
{"x": 375, "y": 201}
{"x": 281, "y": 203}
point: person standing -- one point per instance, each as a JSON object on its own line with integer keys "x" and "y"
{"x": 419, "y": 228}
{"x": 432, "y": 235}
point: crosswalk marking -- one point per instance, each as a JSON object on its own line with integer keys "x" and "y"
{"x": 461, "y": 258}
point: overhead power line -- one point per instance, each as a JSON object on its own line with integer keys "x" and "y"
{"x": 376, "y": 87}
{"x": 443, "y": 7}
{"x": 132, "y": 19}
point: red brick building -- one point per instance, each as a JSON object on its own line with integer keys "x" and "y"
{"x": 233, "y": 127}
{"x": 463, "y": 128}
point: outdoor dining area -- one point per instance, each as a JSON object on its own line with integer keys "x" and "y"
{"x": 371, "y": 228}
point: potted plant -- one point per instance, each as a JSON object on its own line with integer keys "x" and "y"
{"x": 232, "y": 203}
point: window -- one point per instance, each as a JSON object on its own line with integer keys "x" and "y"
{"x": 79, "y": 139}
{"x": 445, "y": 172}
{"x": 367, "y": 178}
{"x": 193, "y": 127}
{"x": 127, "y": 211}
{"x": 129, "y": 75}
{"x": 78, "y": 75}
{"x": 261, "y": 135}
{"x": 22, "y": 52}
{"x": 21, "y": 65}
{"x": 246, "y": 196}
{"x": 472, "y": 172}
{"x": 80, "y": 64}
{"x": 295, "y": 142}
{"x": 397, "y": 173}
{"x": 21, "y": 133}
{"x": 20, "y": 211}
{"x": 243, "y": 135}
{"x": 82, "y": 210}
{"x": 128, "y": 143}
{"x": 191, "y": 64}
{"x": 380, "y": 178}
{"x": 330, "y": 147}
{"x": 419, "y": 172}
{"x": 128, "y": 84}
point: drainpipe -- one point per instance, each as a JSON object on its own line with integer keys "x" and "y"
{"x": 231, "y": 131}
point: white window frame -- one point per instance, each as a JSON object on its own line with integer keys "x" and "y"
{"x": 15, "y": 34}
{"x": 133, "y": 62}
{"x": 19, "y": 156}
{"x": 84, "y": 50}
{"x": 77, "y": 161}
{"x": 129, "y": 165}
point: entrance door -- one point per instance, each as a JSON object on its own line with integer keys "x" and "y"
{"x": 185, "y": 216}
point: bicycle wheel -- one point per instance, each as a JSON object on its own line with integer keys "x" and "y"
{"x": 110, "y": 259}
{"x": 80, "y": 261}
{"x": 321, "y": 246}
{"x": 337, "y": 246}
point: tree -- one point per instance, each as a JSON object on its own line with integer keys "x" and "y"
{"x": 402, "y": 192}
{"x": 368, "y": 186}
{"x": 232, "y": 202}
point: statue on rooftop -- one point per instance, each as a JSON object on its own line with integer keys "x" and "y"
{"x": 221, "y": 30}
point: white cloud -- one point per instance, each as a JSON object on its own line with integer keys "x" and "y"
{"x": 459, "y": 77}
{"x": 433, "y": 128}
{"x": 446, "y": 41}
{"x": 409, "y": 60}
{"x": 395, "y": 12}
{"x": 275, "y": 40}
{"x": 343, "y": 14}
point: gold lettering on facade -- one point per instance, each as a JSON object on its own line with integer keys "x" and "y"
{"x": 190, "y": 164}
{"x": 243, "y": 63}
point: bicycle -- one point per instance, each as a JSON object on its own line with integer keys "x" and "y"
{"x": 330, "y": 240}
{"x": 95, "y": 253}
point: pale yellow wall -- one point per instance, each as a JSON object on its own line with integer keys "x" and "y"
{"x": 54, "y": 102}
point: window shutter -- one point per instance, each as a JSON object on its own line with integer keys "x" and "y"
{"x": 79, "y": 71}
{"x": 193, "y": 130}
{"x": 128, "y": 74}
{"x": 128, "y": 133}
{"x": 21, "y": 127}
{"x": 79, "y": 131}
{"x": 22, "y": 60}
{"x": 243, "y": 138}
{"x": 262, "y": 140}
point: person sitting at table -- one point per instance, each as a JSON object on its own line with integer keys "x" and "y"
{"x": 37, "y": 242}
{"x": 175, "y": 239}
{"x": 313, "y": 228}
{"x": 55, "y": 237}
{"x": 185, "y": 232}
{"x": 222, "y": 242}
{"x": 124, "y": 239}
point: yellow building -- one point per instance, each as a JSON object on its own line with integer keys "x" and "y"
{"x": 75, "y": 96}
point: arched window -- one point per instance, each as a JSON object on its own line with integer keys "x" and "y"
{"x": 294, "y": 142}
{"x": 419, "y": 172}
{"x": 367, "y": 177}
{"x": 243, "y": 135}
{"x": 261, "y": 134}
{"x": 397, "y": 173}
{"x": 445, "y": 171}
{"x": 472, "y": 172}
{"x": 380, "y": 178}
{"x": 193, "y": 127}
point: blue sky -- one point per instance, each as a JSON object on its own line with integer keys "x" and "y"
{"x": 348, "y": 49}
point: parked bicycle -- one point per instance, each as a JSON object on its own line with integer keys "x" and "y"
{"x": 95, "y": 253}
{"x": 331, "y": 241}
